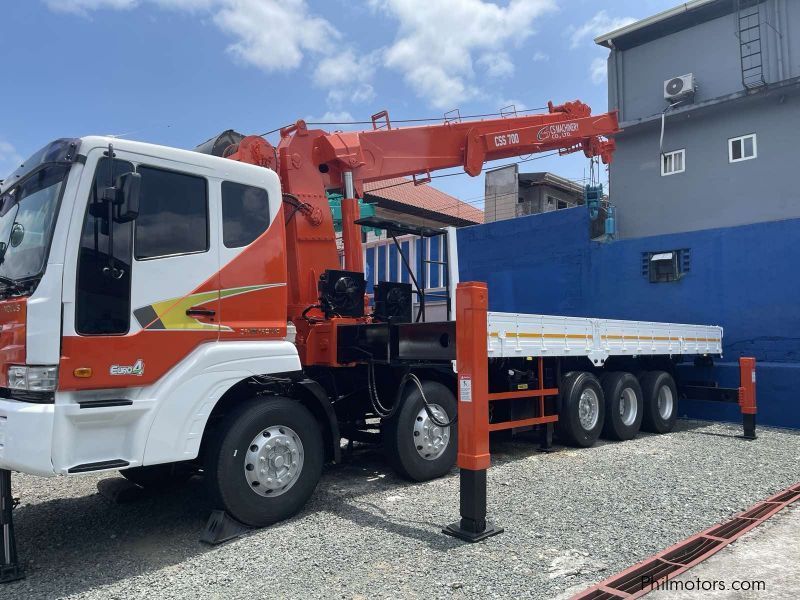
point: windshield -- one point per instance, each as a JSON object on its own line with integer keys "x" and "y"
{"x": 27, "y": 216}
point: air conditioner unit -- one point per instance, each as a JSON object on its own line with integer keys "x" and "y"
{"x": 679, "y": 88}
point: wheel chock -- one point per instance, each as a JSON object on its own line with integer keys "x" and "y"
{"x": 221, "y": 528}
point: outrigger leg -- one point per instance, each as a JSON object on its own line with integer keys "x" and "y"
{"x": 10, "y": 569}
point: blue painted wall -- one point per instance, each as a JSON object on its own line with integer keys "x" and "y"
{"x": 746, "y": 279}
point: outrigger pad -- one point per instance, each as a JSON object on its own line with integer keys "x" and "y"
{"x": 456, "y": 530}
{"x": 9, "y": 573}
{"x": 221, "y": 528}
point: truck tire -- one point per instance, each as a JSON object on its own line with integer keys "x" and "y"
{"x": 417, "y": 448}
{"x": 159, "y": 477}
{"x": 660, "y": 402}
{"x": 265, "y": 460}
{"x": 582, "y": 413}
{"x": 624, "y": 406}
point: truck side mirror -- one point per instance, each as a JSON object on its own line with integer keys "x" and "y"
{"x": 128, "y": 187}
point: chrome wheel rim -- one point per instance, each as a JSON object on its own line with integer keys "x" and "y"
{"x": 628, "y": 407}
{"x": 273, "y": 461}
{"x": 588, "y": 409}
{"x": 665, "y": 402}
{"x": 430, "y": 439}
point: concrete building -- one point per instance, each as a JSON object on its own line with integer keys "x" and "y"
{"x": 511, "y": 194}
{"x": 728, "y": 150}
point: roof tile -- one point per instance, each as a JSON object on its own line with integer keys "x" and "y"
{"x": 427, "y": 197}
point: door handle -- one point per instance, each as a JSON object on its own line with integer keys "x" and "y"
{"x": 200, "y": 312}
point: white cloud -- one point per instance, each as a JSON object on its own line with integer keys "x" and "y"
{"x": 598, "y": 25}
{"x": 342, "y": 120}
{"x": 274, "y": 35}
{"x": 363, "y": 93}
{"x": 187, "y": 5}
{"x": 436, "y": 41}
{"x": 598, "y": 70}
{"x": 341, "y": 116}
{"x": 497, "y": 64}
{"x": 344, "y": 69}
{"x": 9, "y": 158}
{"x": 82, "y": 7}
{"x": 348, "y": 76}
{"x": 541, "y": 57}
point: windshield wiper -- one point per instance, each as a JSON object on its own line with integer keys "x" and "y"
{"x": 11, "y": 284}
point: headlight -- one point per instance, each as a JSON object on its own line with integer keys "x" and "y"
{"x": 33, "y": 379}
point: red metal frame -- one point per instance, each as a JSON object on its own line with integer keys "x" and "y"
{"x": 747, "y": 385}
{"x": 473, "y": 381}
{"x": 643, "y": 577}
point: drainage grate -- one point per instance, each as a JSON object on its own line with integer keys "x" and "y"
{"x": 639, "y": 579}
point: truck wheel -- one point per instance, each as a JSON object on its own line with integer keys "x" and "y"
{"x": 416, "y": 447}
{"x": 660, "y": 402}
{"x": 624, "y": 406}
{"x": 582, "y": 413}
{"x": 265, "y": 460}
{"x": 158, "y": 477}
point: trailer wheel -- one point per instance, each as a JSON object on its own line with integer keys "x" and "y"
{"x": 416, "y": 447}
{"x": 265, "y": 460}
{"x": 158, "y": 477}
{"x": 624, "y": 406}
{"x": 582, "y": 413}
{"x": 660, "y": 402}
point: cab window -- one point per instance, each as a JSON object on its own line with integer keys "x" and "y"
{"x": 173, "y": 214}
{"x": 245, "y": 213}
{"x": 103, "y": 299}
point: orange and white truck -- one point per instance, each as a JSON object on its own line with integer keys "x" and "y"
{"x": 166, "y": 312}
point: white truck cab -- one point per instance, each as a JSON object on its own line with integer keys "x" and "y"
{"x": 111, "y": 307}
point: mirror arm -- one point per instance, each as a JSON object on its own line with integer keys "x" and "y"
{"x": 110, "y": 269}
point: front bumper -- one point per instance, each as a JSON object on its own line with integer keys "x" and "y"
{"x": 26, "y": 437}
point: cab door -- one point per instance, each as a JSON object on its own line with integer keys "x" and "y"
{"x": 147, "y": 291}
{"x": 175, "y": 260}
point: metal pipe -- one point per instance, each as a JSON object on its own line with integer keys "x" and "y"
{"x": 351, "y": 233}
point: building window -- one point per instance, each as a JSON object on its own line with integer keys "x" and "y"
{"x": 673, "y": 162}
{"x": 742, "y": 148}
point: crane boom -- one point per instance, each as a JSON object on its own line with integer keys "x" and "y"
{"x": 311, "y": 161}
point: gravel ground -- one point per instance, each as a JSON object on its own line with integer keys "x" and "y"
{"x": 572, "y": 518}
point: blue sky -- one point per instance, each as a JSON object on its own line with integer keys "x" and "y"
{"x": 176, "y": 72}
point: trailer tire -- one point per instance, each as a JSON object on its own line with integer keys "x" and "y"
{"x": 411, "y": 423}
{"x": 660, "y": 402}
{"x": 582, "y": 413}
{"x": 159, "y": 477}
{"x": 624, "y": 406}
{"x": 265, "y": 460}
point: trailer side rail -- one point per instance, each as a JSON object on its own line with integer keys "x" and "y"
{"x": 516, "y": 334}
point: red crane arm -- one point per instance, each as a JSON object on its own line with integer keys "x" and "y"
{"x": 386, "y": 153}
